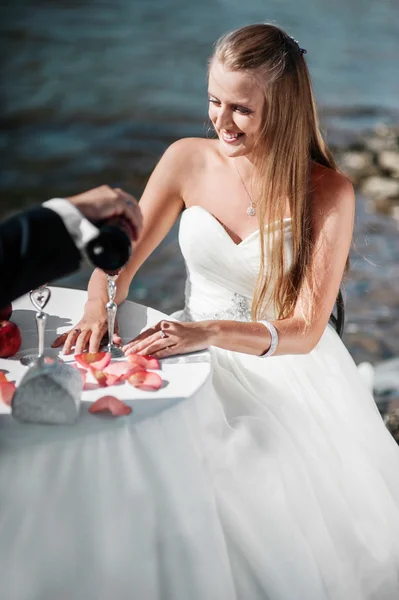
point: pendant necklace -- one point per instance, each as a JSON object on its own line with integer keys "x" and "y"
{"x": 251, "y": 210}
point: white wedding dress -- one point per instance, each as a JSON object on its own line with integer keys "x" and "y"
{"x": 304, "y": 474}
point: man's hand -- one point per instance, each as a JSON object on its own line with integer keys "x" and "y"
{"x": 105, "y": 202}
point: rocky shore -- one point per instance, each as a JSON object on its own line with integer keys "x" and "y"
{"x": 372, "y": 162}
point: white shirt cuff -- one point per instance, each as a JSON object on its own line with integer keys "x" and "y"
{"x": 80, "y": 228}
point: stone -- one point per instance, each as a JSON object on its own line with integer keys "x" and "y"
{"x": 392, "y": 423}
{"x": 358, "y": 164}
{"x": 389, "y": 161}
{"x": 379, "y": 144}
{"x": 380, "y": 188}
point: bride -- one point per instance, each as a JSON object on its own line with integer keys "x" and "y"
{"x": 304, "y": 474}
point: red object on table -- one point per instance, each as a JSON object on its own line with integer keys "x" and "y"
{"x": 10, "y": 339}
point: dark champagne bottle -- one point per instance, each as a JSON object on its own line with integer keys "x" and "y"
{"x": 112, "y": 248}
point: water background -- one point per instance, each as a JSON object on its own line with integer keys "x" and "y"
{"x": 94, "y": 91}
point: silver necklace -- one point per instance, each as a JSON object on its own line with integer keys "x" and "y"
{"x": 251, "y": 210}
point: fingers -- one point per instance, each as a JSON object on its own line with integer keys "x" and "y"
{"x": 59, "y": 341}
{"x": 105, "y": 202}
{"x": 70, "y": 340}
{"x": 95, "y": 340}
{"x": 151, "y": 340}
{"x": 159, "y": 348}
{"x": 117, "y": 340}
{"x": 81, "y": 341}
{"x": 129, "y": 208}
{"x": 142, "y": 336}
{"x": 78, "y": 340}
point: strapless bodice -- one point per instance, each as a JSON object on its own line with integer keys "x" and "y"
{"x": 221, "y": 275}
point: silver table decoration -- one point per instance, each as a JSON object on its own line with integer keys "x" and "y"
{"x": 112, "y": 307}
{"x": 39, "y": 298}
{"x": 49, "y": 393}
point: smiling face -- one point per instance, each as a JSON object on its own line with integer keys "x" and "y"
{"x": 236, "y": 104}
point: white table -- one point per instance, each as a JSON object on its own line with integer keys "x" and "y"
{"x": 110, "y": 509}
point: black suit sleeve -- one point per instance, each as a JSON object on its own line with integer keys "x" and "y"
{"x": 35, "y": 248}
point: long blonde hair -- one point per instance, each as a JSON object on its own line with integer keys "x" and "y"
{"x": 290, "y": 141}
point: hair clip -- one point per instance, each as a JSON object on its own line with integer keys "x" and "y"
{"x": 301, "y": 50}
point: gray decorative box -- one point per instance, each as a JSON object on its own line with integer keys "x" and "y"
{"x": 49, "y": 393}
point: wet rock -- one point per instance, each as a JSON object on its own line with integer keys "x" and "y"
{"x": 358, "y": 165}
{"x": 378, "y": 145}
{"x": 380, "y": 188}
{"x": 388, "y": 160}
{"x": 386, "y": 378}
{"x": 367, "y": 346}
{"x": 383, "y": 138}
{"x": 392, "y": 423}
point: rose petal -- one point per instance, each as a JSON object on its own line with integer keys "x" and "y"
{"x": 3, "y": 378}
{"x": 112, "y": 379}
{"x": 112, "y": 404}
{"x": 118, "y": 368}
{"x": 97, "y": 360}
{"x": 145, "y": 380}
{"x": 133, "y": 369}
{"x": 7, "y": 391}
{"x": 147, "y": 362}
{"x": 99, "y": 376}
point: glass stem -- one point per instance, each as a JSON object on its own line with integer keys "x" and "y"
{"x": 111, "y": 308}
{"x": 41, "y": 319}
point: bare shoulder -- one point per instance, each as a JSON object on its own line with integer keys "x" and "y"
{"x": 190, "y": 152}
{"x": 331, "y": 192}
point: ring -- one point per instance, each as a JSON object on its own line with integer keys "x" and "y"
{"x": 76, "y": 330}
{"x": 163, "y": 335}
{"x": 129, "y": 202}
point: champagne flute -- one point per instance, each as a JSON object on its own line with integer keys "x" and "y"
{"x": 39, "y": 297}
{"x": 112, "y": 307}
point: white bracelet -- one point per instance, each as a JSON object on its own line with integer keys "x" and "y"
{"x": 274, "y": 335}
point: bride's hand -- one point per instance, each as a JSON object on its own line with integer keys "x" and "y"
{"x": 89, "y": 332}
{"x": 168, "y": 338}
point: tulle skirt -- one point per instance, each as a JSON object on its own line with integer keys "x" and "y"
{"x": 305, "y": 476}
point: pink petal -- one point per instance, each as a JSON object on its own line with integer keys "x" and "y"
{"x": 7, "y": 391}
{"x": 97, "y": 360}
{"x": 100, "y": 376}
{"x": 146, "y": 362}
{"x": 118, "y": 368}
{"x": 112, "y": 404}
{"x": 112, "y": 379}
{"x": 145, "y": 380}
{"x": 133, "y": 369}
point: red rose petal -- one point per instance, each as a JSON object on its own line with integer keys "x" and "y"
{"x": 147, "y": 362}
{"x": 7, "y": 391}
{"x": 116, "y": 407}
{"x": 97, "y": 360}
{"x": 145, "y": 380}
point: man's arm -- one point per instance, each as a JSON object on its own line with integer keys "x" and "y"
{"x": 35, "y": 247}
{"x": 45, "y": 243}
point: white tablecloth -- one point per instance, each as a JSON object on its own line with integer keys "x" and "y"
{"x": 110, "y": 509}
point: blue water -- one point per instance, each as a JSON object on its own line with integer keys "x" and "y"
{"x": 146, "y": 59}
